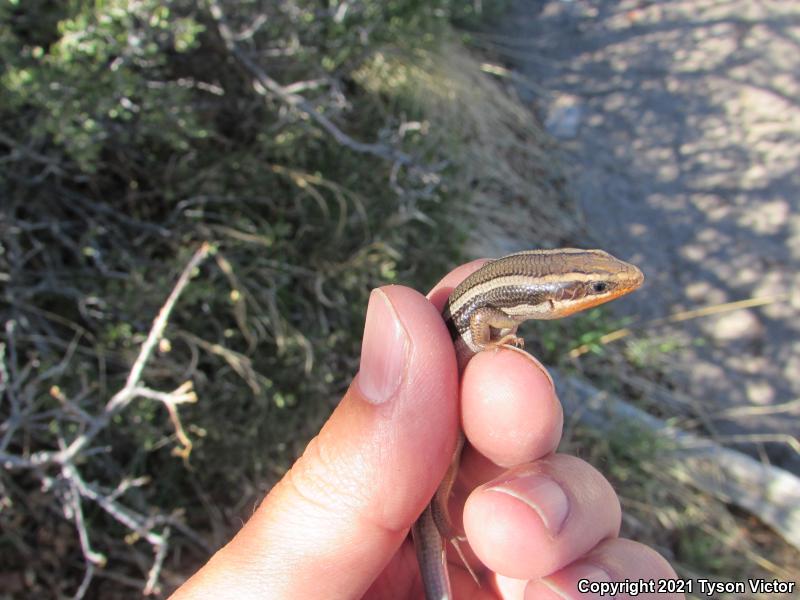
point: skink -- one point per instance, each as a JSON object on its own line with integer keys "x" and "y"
{"x": 484, "y": 312}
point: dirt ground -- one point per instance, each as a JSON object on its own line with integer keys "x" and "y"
{"x": 680, "y": 123}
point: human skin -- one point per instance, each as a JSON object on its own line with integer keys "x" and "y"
{"x": 336, "y": 525}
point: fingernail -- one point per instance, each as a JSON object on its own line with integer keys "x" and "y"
{"x": 542, "y": 368}
{"x": 536, "y": 363}
{"x": 542, "y": 494}
{"x": 383, "y": 350}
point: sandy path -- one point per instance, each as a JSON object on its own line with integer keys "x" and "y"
{"x": 681, "y": 125}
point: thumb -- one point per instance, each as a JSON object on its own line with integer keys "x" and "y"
{"x": 330, "y": 526}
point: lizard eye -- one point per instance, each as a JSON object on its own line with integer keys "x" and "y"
{"x": 599, "y": 287}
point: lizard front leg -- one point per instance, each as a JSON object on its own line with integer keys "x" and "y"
{"x": 486, "y": 318}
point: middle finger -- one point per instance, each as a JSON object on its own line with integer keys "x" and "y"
{"x": 509, "y": 411}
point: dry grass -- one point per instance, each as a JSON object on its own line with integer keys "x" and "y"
{"x": 502, "y": 163}
{"x": 700, "y": 535}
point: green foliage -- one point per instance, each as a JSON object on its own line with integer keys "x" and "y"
{"x": 554, "y": 339}
{"x": 105, "y": 77}
{"x": 654, "y": 351}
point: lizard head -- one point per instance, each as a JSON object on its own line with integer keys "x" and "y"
{"x": 587, "y": 278}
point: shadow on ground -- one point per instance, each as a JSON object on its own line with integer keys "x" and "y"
{"x": 681, "y": 128}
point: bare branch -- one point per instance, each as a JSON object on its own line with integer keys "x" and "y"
{"x": 91, "y": 557}
{"x": 88, "y": 575}
{"x": 18, "y": 151}
{"x": 135, "y": 522}
{"x": 240, "y": 363}
{"x": 139, "y": 524}
{"x": 184, "y": 393}
{"x": 12, "y": 461}
{"x": 264, "y": 84}
{"x": 126, "y": 484}
{"x": 180, "y": 395}
{"x": 123, "y": 397}
{"x": 151, "y": 586}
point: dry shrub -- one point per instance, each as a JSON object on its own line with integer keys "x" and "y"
{"x": 503, "y": 165}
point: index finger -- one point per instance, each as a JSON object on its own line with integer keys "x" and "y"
{"x": 438, "y": 295}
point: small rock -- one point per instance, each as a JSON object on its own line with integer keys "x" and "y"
{"x": 564, "y": 117}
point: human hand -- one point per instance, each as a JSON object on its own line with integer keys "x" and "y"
{"x": 336, "y": 525}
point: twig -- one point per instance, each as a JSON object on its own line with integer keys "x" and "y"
{"x": 715, "y": 309}
{"x": 123, "y": 397}
{"x": 151, "y": 587}
{"x": 91, "y": 557}
{"x": 500, "y": 71}
{"x": 3, "y": 369}
{"x": 761, "y": 438}
{"x": 88, "y": 575}
{"x": 251, "y": 29}
{"x": 184, "y": 393}
{"x": 791, "y": 407}
{"x": 180, "y": 395}
{"x": 20, "y": 151}
{"x": 141, "y": 525}
{"x": 130, "y": 519}
{"x": 95, "y": 558}
{"x": 126, "y": 484}
{"x": 9, "y": 375}
{"x": 240, "y": 363}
